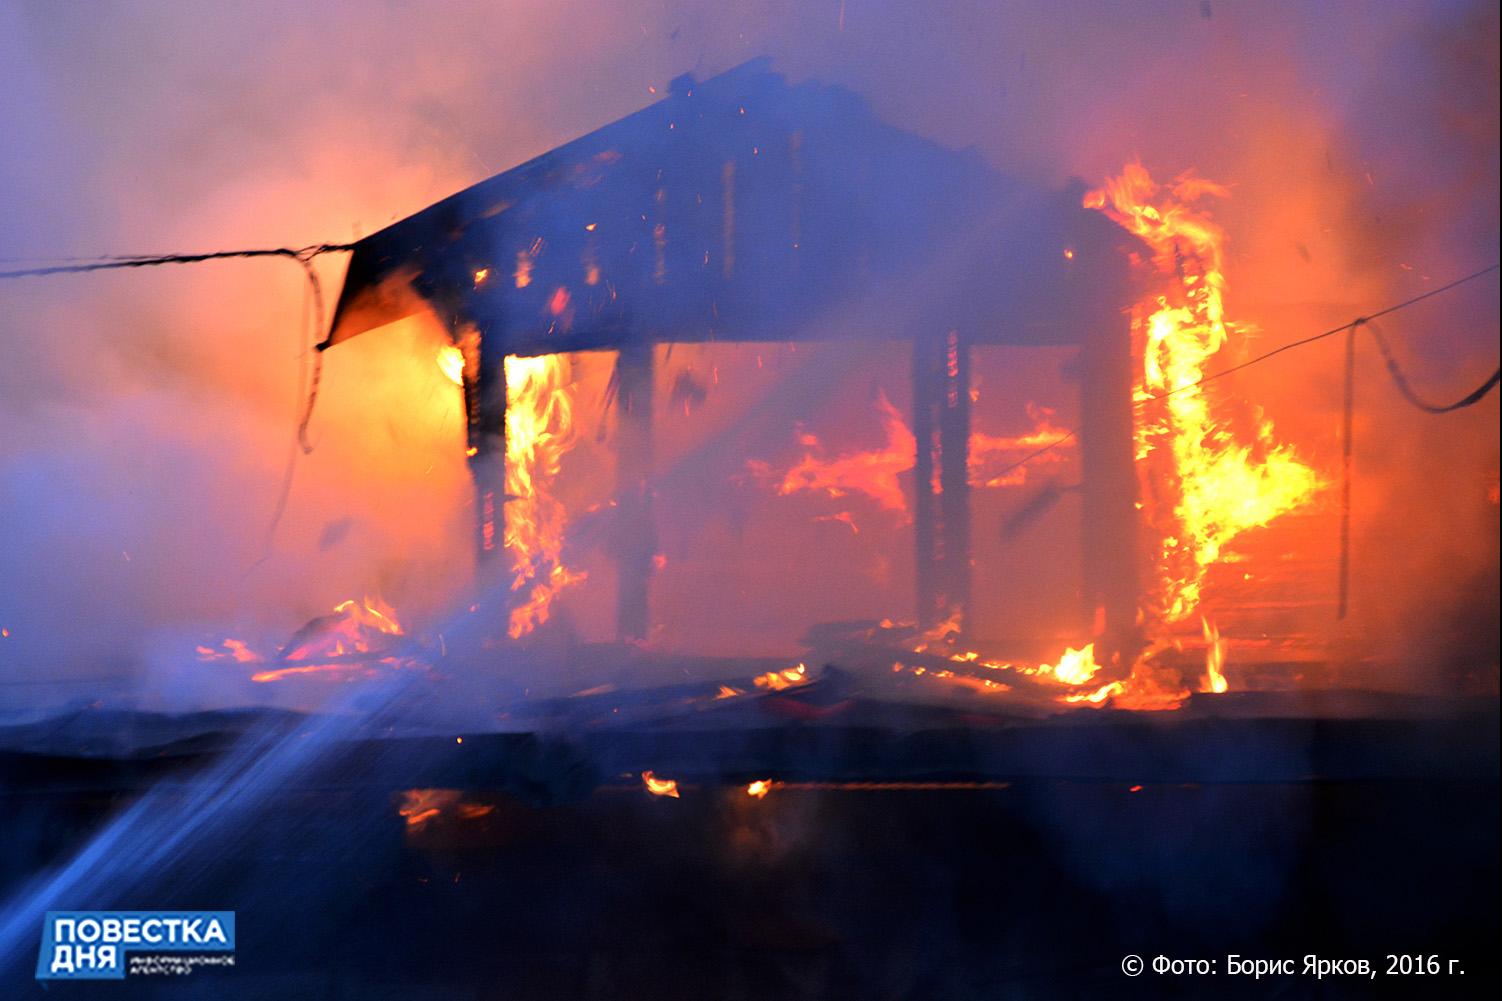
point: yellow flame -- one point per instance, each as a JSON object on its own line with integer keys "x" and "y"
{"x": 1215, "y": 659}
{"x": 660, "y": 787}
{"x": 778, "y": 680}
{"x": 1223, "y": 485}
{"x": 354, "y": 627}
{"x": 539, "y": 432}
{"x": 451, "y": 363}
{"x": 1075, "y": 667}
{"x": 873, "y": 473}
{"x": 759, "y": 788}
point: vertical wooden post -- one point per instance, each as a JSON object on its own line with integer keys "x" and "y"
{"x": 941, "y": 530}
{"x": 1107, "y": 449}
{"x": 636, "y": 535}
{"x": 925, "y": 506}
{"x": 485, "y": 406}
{"x": 954, "y": 473}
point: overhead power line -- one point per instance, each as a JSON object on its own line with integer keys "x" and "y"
{"x": 312, "y": 315}
{"x": 1357, "y": 322}
{"x": 1360, "y": 321}
{"x": 1401, "y": 381}
{"x": 115, "y": 263}
{"x": 305, "y": 256}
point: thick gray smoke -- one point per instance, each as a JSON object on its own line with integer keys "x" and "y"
{"x": 146, "y": 417}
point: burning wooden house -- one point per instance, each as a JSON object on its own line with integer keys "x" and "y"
{"x": 746, "y": 209}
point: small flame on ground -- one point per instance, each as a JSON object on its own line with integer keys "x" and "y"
{"x": 1215, "y": 659}
{"x": 1075, "y": 667}
{"x": 325, "y": 645}
{"x": 759, "y": 788}
{"x": 776, "y": 681}
{"x": 660, "y": 787}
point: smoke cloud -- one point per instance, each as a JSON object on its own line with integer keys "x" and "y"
{"x": 146, "y": 418}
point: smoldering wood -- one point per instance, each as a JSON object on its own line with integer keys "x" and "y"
{"x": 941, "y": 476}
{"x": 486, "y": 420}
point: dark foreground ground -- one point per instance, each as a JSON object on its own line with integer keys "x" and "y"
{"x": 1016, "y": 862}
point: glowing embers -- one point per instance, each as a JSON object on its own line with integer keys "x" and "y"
{"x": 1221, "y": 483}
{"x": 420, "y": 807}
{"x": 539, "y": 432}
{"x": 356, "y": 640}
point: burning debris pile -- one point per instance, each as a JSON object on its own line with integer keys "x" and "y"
{"x": 358, "y": 639}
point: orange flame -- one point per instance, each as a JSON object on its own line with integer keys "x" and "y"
{"x": 759, "y": 788}
{"x": 422, "y": 805}
{"x": 875, "y": 473}
{"x": 986, "y": 449}
{"x": 353, "y": 628}
{"x": 233, "y": 649}
{"x": 872, "y": 473}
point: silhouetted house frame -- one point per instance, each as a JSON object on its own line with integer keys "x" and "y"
{"x": 745, "y": 209}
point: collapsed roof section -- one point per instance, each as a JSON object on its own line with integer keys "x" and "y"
{"x": 744, "y": 208}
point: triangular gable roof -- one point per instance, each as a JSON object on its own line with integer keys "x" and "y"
{"x": 744, "y": 208}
